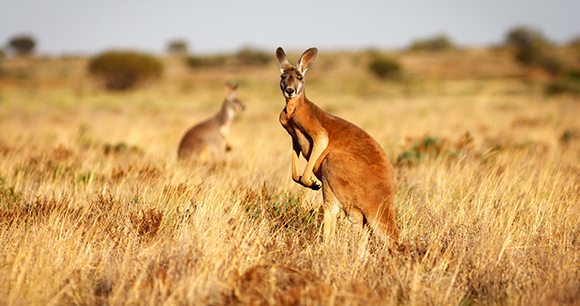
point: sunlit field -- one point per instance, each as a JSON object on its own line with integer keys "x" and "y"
{"x": 95, "y": 208}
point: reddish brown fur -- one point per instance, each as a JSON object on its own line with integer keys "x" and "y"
{"x": 345, "y": 161}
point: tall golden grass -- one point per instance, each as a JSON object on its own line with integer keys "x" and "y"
{"x": 95, "y": 209}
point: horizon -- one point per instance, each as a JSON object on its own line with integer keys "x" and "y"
{"x": 65, "y": 27}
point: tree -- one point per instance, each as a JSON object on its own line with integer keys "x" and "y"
{"x": 122, "y": 70}
{"x": 532, "y": 48}
{"x": 386, "y": 68}
{"x": 22, "y": 44}
{"x": 177, "y": 47}
{"x": 437, "y": 43}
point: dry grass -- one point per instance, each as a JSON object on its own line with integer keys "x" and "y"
{"x": 96, "y": 209}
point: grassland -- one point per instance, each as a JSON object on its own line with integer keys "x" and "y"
{"x": 95, "y": 208}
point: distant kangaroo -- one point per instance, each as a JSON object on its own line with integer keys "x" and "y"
{"x": 347, "y": 163}
{"x": 206, "y": 140}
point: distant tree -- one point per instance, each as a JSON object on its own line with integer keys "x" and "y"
{"x": 122, "y": 70}
{"x": 177, "y": 47}
{"x": 437, "y": 43}
{"x": 530, "y": 44}
{"x": 532, "y": 48}
{"x": 213, "y": 61}
{"x": 523, "y": 35}
{"x": 569, "y": 84}
{"x": 251, "y": 57}
{"x": 385, "y": 68}
{"x": 22, "y": 44}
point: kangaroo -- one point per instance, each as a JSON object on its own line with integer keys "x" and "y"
{"x": 345, "y": 161}
{"x": 207, "y": 139}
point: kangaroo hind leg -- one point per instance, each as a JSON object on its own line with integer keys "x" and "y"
{"x": 331, "y": 209}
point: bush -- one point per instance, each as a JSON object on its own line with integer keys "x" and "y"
{"x": 437, "y": 43}
{"x": 522, "y": 35}
{"x": 178, "y": 47}
{"x": 433, "y": 147}
{"x": 22, "y": 44}
{"x": 553, "y": 64}
{"x": 122, "y": 70}
{"x": 251, "y": 57}
{"x": 530, "y": 44}
{"x": 206, "y": 61}
{"x": 532, "y": 48}
{"x": 569, "y": 84}
{"x": 385, "y": 68}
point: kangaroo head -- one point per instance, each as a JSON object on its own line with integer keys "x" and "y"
{"x": 292, "y": 78}
{"x": 231, "y": 99}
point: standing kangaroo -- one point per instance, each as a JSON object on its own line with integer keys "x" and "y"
{"x": 346, "y": 162}
{"x": 207, "y": 139}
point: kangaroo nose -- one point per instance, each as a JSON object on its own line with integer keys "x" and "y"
{"x": 289, "y": 90}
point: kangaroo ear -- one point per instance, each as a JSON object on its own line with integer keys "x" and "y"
{"x": 230, "y": 90}
{"x": 306, "y": 59}
{"x": 282, "y": 59}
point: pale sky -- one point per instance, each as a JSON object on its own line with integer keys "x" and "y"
{"x": 88, "y": 27}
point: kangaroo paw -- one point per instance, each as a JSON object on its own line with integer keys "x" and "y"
{"x": 312, "y": 184}
{"x": 316, "y": 185}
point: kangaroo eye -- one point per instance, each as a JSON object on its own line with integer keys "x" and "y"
{"x": 300, "y": 78}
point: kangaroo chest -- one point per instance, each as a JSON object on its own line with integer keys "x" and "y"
{"x": 302, "y": 139}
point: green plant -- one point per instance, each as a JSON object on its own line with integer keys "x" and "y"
{"x": 122, "y": 70}
{"x": 252, "y": 57}
{"x": 552, "y": 64}
{"x": 437, "y": 43}
{"x": 569, "y": 136}
{"x": 206, "y": 61}
{"x": 177, "y": 47}
{"x": 433, "y": 147}
{"x": 385, "y": 68}
{"x": 532, "y": 48}
{"x": 22, "y": 44}
{"x": 8, "y": 196}
{"x": 569, "y": 84}
{"x": 424, "y": 148}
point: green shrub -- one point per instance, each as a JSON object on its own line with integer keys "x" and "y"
{"x": 552, "y": 64}
{"x": 385, "y": 68}
{"x": 206, "y": 61}
{"x": 437, "y": 43}
{"x": 424, "y": 148}
{"x": 434, "y": 147}
{"x": 530, "y": 52}
{"x": 251, "y": 57}
{"x": 122, "y": 70}
{"x": 569, "y": 136}
{"x": 569, "y": 84}
{"x": 532, "y": 48}
{"x": 177, "y": 47}
{"x": 522, "y": 35}
{"x": 22, "y": 44}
